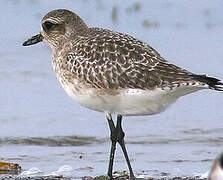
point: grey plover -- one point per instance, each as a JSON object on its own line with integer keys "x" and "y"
{"x": 114, "y": 73}
{"x": 216, "y": 172}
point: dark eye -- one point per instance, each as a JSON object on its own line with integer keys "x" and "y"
{"x": 48, "y": 25}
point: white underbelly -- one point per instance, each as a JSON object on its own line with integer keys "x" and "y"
{"x": 129, "y": 101}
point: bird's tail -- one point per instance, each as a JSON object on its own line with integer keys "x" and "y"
{"x": 212, "y": 82}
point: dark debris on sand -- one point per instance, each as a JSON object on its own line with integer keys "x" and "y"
{"x": 126, "y": 177}
{"x": 13, "y": 177}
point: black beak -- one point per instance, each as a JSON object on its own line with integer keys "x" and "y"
{"x": 33, "y": 40}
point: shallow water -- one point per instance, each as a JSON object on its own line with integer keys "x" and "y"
{"x": 42, "y": 127}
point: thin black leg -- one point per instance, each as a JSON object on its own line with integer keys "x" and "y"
{"x": 117, "y": 135}
{"x": 113, "y": 145}
{"x": 120, "y": 137}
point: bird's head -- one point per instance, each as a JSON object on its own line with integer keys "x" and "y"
{"x": 57, "y": 26}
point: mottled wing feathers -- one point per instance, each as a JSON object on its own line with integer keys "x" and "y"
{"x": 106, "y": 59}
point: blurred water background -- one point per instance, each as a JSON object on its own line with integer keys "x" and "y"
{"x": 40, "y": 126}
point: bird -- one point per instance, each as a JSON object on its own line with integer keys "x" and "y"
{"x": 114, "y": 73}
{"x": 216, "y": 172}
